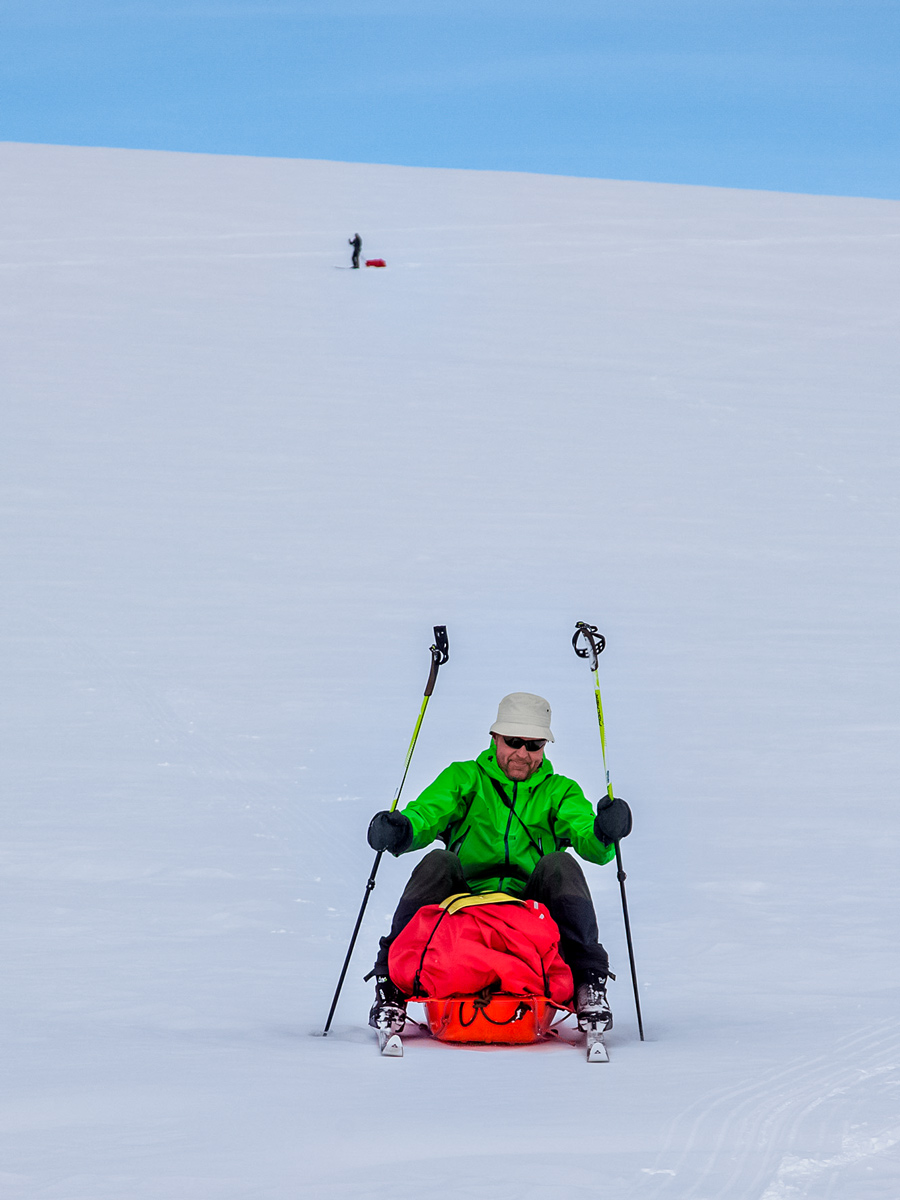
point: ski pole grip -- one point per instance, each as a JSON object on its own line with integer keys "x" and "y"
{"x": 440, "y": 653}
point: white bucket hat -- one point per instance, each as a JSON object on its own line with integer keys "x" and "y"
{"x": 523, "y": 715}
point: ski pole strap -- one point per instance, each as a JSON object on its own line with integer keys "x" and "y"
{"x": 440, "y": 653}
{"x": 596, "y": 642}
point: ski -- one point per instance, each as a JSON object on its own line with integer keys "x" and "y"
{"x": 389, "y": 1044}
{"x": 596, "y": 1047}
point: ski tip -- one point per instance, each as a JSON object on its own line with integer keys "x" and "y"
{"x": 391, "y": 1046}
{"x": 597, "y": 1052}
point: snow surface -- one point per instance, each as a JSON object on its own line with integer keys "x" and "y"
{"x": 239, "y": 488}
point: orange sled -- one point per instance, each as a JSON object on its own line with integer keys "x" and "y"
{"x": 502, "y": 1018}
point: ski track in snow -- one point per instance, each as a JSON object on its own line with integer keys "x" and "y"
{"x": 739, "y": 1135}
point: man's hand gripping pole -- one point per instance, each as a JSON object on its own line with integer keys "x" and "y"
{"x": 440, "y": 652}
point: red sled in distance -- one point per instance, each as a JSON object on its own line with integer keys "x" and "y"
{"x": 375, "y": 262}
{"x": 487, "y": 968}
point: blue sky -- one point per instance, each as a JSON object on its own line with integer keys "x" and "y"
{"x": 794, "y": 95}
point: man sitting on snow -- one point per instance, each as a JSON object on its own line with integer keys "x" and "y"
{"x": 506, "y": 820}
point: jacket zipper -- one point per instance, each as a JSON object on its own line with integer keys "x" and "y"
{"x": 506, "y": 835}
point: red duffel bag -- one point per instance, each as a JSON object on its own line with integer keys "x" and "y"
{"x": 481, "y": 944}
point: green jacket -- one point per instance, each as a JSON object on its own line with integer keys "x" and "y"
{"x": 481, "y": 816}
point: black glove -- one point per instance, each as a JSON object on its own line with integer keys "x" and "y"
{"x": 613, "y": 820}
{"x": 390, "y": 831}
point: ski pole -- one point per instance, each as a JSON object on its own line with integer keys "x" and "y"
{"x": 440, "y": 652}
{"x": 595, "y": 645}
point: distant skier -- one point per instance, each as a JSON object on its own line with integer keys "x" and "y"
{"x": 356, "y": 243}
{"x": 506, "y": 820}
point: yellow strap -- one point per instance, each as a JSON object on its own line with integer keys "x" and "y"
{"x": 461, "y": 900}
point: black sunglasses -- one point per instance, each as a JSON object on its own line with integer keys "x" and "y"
{"x": 530, "y": 744}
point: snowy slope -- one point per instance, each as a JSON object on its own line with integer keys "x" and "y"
{"x": 239, "y": 488}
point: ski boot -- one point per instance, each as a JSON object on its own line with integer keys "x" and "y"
{"x": 591, "y": 1005}
{"x": 388, "y": 1013}
{"x": 593, "y": 1013}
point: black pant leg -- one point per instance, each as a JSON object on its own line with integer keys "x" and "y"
{"x": 436, "y": 877}
{"x": 558, "y": 882}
